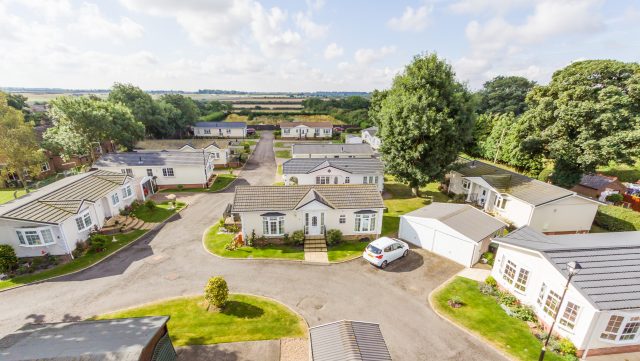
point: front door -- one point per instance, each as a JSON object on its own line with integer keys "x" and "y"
{"x": 314, "y": 222}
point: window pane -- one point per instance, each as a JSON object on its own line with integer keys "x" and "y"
{"x": 47, "y": 236}
{"x": 570, "y": 314}
{"x": 541, "y": 295}
{"x": 611, "y": 331}
{"x": 80, "y": 223}
{"x": 20, "y": 238}
{"x": 281, "y": 225}
{"x": 373, "y": 223}
{"x": 33, "y": 238}
{"x": 521, "y": 282}
{"x": 630, "y": 330}
{"x": 265, "y": 226}
{"x": 357, "y": 228}
{"x": 552, "y": 304}
{"x": 509, "y": 272}
{"x": 87, "y": 220}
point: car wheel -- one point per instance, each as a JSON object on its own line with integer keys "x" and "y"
{"x": 406, "y": 252}
{"x": 383, "y": 265}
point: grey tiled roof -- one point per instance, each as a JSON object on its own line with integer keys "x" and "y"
{"x": 120, "y": 339}
{"x": 284, "y": 198}
{"x": 527, "y": 189}
{"x": 596, "y": 181}
{"x": 349, "y": 341}
{"x": 350, "y": 165}
{"x": 308, "y": 124}
{"x": 464, "y": 218}
{"x": 150, "y": 158}
{"x": 610, "y": 275}
{"x": 332, "y": 149}
{"x": 220, "y": 124}
{"x": 56, "y": 204}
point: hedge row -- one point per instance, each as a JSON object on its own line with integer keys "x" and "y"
{"x": 617, "y": 219}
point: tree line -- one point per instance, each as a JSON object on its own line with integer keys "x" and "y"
{"x": 587, "y": 116}
{"x": 351, "y": 109}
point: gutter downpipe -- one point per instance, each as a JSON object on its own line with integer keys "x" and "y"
{"x": 64, "y": 238}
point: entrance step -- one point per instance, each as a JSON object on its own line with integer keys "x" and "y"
{"x": 315, "y": 245}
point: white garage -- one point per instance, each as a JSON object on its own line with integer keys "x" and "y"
{"x": 459, "y": 232}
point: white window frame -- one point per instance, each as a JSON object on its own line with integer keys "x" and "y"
{"x": 466, "y": 184}
{"x": 149, "y": 172}
{"x": 127, "y": 171}
{"x": 616, "y": 333}
{"x": 168, "y": 172}
{"x": 127, "y": 192}
{"x": 115, "y": 199}
{"x": 82, "y": 217}
{"x": 342, "y": 219}
{"x": 500, "y": 202}
{"x": 347, "y": 180}
{"x": 365, "y": 223}
{"x": 45, "y": 167}
{"x": 521, "y": 280}
{"x": 323, "y": 179}
{"x": 207, "y": 131}
{"x": 23, "y": 238}
{"x": 286, "y": 131}
{"x": 551, "y": 304}
{"x": 509, "y": 276}
{"x": 569, "y": 316}
{"x": 271, "y": 223}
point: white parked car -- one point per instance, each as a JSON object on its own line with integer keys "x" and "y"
{"x": 385, "y": 250}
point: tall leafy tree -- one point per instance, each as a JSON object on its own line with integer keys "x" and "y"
{"x": 188, "y": 112}
{"x": 143, "y": 108}
{"x": 81, "y": 123}
{"x": 504, "y": 94}
{"x": 17, "y": 101}
{"x": 587, "y": 116}
{"x": 19, "y": 148}
{"x": 425, "y": 118}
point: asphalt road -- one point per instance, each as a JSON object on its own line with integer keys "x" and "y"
{"x": 172, "y": 262}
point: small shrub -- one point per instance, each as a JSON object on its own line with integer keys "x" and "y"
{"x": 489, "y": 258}
{"x": 524, "y": 313}
{"x": 150, "y": 204}
{"x": 247, "y": 148}
{"x": 216, "y": 292}
{"x": 491, "y": 281}
{"x": 252, "y": 238}
{"x": 261, "y": 241}
{"x": 486, "y": 289}
{"x": 97, "y": 243}
{"x": 455, "y": 302}
{"x": 334, "y": 236}
{"x": 459, "y": 198}
{"x": 507, "y": 299}
{"x": 615, "y": 198}
{"x": 297, "y": 238}
{"x": 231, "y": 246}
{"x": 566, "y": 347}
{"x": 286, "y": 239}
{"x": 8, "y": 258}
{"x": 180, "y": 187}
{"x": 126, "y": 211}
{"x": 221, "y": 222}
{"x": 277, "y": 133}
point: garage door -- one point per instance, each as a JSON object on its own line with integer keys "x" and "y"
{"x": 436, "y": 241}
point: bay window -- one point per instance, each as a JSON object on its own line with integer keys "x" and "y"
{"x": 365, "y": 222}
{"x": 273, "y": 226}
{"x": 84, "y": 221}
{"x": 621, "y": 328}
{"x": 31, "y": 237}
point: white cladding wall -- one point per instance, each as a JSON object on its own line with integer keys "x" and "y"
{"x": 540, "y": 270}
{"x": 182, "y": 174}
{"x": 373, "y": 141}
{"x": 331, "y": 155}
{"x": 515, "y": 212}
{"x": 336, "y": 176}
{"x": 566, "y": 215}
{"x": 441, "y": 239}
{"x": 310, "y": 132}
{"x": 295, "y": 221}
{"x": 220, "y": 132}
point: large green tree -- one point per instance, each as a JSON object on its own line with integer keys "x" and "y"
{"x": 587, "y": 116}
{"x": 188, "y": 112}
{"x": 19, "y": 148}
{"x": 81, "y": 123}
{"x": 504, "y": 94}
{"x": 425, "y": 118}
{"x": 143, "y": 108}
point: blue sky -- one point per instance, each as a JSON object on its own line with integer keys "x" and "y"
{"x": 301, "y": 45}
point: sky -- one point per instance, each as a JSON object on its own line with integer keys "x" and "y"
{"x": 312, "y": 45}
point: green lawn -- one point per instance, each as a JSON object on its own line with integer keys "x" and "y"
{"x": 625, "y": 173}
{"x": 216, "y": 243}
{"x": 245, "y": 318}
{"x": 283, "y": 154}
{"x": 345, "y": 251}
{"x": 279, "y": 145}
{"x": 221, "y": 181}
{"x": 482, "y": 315}
{"x": 160, "y": 213}
{"x": 279, "y": 170}
{"x": 75, "y": 265}
{"x": 6, "y": 194}
{"x": 617, "y": 219}
{"x": 403, "y": 202}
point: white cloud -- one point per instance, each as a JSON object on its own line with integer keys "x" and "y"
{"x": 412, "y": 19}
{"x": 315, "y": 4}
{"x": 368, "y": 56}
{"x": 311, "y": 29}
{"x": 333, "y": 51}
{"x": 486, "y": 6}
{"x": 90, "y": 22}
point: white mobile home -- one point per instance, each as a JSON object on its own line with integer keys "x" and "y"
{"x": 370, "y": 135}
{"x": 220, "y": 129}
{"x": 522, "y": 201}
{"x": 272, "y": 211}
{"x": 53, "y": 218}
{"x": 306, "y": 130}
{"x": 331, "y": 151}
{"x": 601, "y": 311}
{"x": 305, "y": 171}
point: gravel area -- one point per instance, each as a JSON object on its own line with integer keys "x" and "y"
{"x": 294, "y": 349}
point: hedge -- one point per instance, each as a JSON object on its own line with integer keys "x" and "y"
{"x": 618, "y": 219}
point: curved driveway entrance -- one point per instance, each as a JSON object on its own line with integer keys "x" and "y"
{"x": 172, "y": 262}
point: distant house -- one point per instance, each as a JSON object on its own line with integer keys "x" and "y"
{"x": 522, "y": 201}
{"x": 594, "y": 185}
{"x": 53, "y": 218}
{"x": 601, "y": 311}
{"x": 331, "y": 151}
{"x": 306, "y": 130}
{"x": 273, "y": 211}
{"x": 459, "y": 232}
{"x": 125, "y": 339}
{"x": 189, "y": 167}
{"x": 352, "y": 139}
{"x": 348, "y": 340}
{"x": 305, "y": 171}
{"x": 370, "y": 135}
{"x": 220, "y": 129}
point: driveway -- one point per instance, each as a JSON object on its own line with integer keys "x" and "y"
{"x": 172, "y": 262}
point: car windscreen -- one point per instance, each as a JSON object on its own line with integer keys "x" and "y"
{"x": 374, "y": 249}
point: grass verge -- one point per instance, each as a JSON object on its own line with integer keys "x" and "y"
{"x": 158, "y": 214}
{"x": 216, "y": 244}
{"x": 6, "y": 194}
{"x": 345, "y": 251}
{"x": 482, "y": 315}
{"x": 617, "y": 219}
{"x": 283, "y": 154}
{"x": 76, "y": 264}
{"x": 221, "y": 181}
{"x": 244, "y": 318}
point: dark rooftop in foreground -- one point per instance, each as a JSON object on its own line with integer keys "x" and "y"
{"x": 348, "y": 340}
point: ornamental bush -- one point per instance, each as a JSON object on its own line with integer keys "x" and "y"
{"x": 297, "y": 238}
{"x": 150, "y": 204}
{"x": 8, "y": 258}
{"x": 334, "y": 236}
{"x": 216, "y": 292}
{"x": 98, "y": 243}
{"x": 615, "y": 198}
{"x": 491, "y": 282}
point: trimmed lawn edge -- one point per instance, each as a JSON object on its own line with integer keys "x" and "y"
{"x": 147, "y": 232}
{"x": 228, "y": 185}
{"x": 469, "y": 332}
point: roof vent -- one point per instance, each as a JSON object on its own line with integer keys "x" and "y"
{"x": 473, "y": 164}
{"x": 139, "y": 160}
